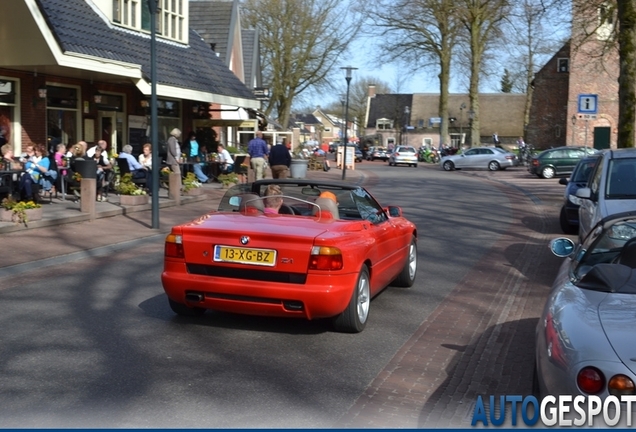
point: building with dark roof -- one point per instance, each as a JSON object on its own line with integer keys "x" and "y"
{"x": 414, "y": 119}
{"x": 74, "y": 70}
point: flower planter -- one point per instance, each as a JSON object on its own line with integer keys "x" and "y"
{"x": 31, "y": 215}
{"x": 194, "y": 191}
{"x": 133, "y": 200}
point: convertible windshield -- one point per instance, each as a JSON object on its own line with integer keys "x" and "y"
{"x": 606, "y": 245}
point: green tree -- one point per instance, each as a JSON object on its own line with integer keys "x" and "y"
{"x": 301, "y": 43}
{"x": 506, "y": 82}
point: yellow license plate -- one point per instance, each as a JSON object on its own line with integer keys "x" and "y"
{"x": 265, "y": 257}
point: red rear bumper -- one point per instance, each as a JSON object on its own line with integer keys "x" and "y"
{"x": 323, "y": 295}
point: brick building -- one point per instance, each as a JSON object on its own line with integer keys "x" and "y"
{"x": 586, "y": 65}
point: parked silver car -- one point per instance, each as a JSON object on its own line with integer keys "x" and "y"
{"x": 405, "y": 155}
{"x": 491, "y": 158}
{"x": 585, "y": 336}
{"x": 611, "y": 188}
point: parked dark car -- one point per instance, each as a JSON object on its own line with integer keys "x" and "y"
{"x": 359, "y": 155}
{"x": 558, "y": 161}
{"x": 569, "y": 216}
{"x": 333, "y": 147}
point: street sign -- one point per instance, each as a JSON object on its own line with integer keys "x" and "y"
{"x": 434, "y": 120}
{"x": 588, "y": 104}
{"x": 587, "y": 116}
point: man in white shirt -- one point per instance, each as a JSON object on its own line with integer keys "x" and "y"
{"x": 227, "y": 164}
{"x": 91, "y": 151}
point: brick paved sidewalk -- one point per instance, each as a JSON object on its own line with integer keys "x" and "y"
{"x": 478, "y": 341}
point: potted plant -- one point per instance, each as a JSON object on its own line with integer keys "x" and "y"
{"x": 190, "y": 185}
{"x": 129, "y": 192}
{"x": 229, "y": 179}
{"x": 20, "y": 211}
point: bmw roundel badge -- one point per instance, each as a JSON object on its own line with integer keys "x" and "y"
{"x": 245, "y": 240}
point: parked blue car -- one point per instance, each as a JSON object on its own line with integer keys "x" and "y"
{"x": 569, "y": 217}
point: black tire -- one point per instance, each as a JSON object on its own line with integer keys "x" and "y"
{"x": 415, "y": 165}
{"x": 566, "y": 227}
{"x": 494, "y": 166}
{"x": 183, "y": 310}
{"x": 406, "y": 278}
{"x": 354, "y": 318}
{"x": 548, "y": 172}
{"x": 448, "y": 165}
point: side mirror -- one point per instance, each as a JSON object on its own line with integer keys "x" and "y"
{"x": 394, "y": 211}
{"x": 584, "y": 193}
{"x": 563, "y": 181}
{"x": 562, "y": 247}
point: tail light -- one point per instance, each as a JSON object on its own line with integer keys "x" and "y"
{"x": 535, "y": 162}
{"x": 590, "y": 380}
{"x": 511, "y": 157}
{"x": 621, "y": 385}
{"x": 174, "y": 246}
{"x": 325, "y": 258}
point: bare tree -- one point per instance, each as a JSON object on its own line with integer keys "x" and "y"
{"x": 530, "y": 40}
{"x": 481, "y": 21}
{"x": 421, "y": 33}
{"x": 301, "y": 42}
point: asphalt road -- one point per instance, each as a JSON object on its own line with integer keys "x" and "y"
{"x": 93, "y": 343}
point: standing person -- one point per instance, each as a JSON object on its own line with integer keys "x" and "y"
{"x": 280, "y": 161}
{"x": 174, "y": 151}
{"x": 192, "y": 153}
{"x": 495, "y": 139}
{"x": 258, "y": 151}
{"x": 225, "y": 159}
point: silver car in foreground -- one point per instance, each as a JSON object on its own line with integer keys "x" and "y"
{"x": 405, "y": 155}
{"x": 611, "y": 188}
{"x": 491, "y": 158}
{"x": 586, "y": 337}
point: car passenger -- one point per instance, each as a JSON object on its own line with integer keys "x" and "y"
{"x": 273, "y": 199}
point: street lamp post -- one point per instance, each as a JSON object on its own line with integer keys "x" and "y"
{"x": 462, "y": 107}
{"x": 344, "y": 156}
{"x": 573, "y": 124}
{"x": 471, "y": 117}
{"x": 407, "y": 111}
{"x": 342, "y": 101}
{"x": 154, "y": 128}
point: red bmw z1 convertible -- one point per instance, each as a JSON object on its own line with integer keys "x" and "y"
{"x": 323, "y": 252}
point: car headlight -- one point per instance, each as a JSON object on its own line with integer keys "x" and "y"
{"x": 575, "y": 200}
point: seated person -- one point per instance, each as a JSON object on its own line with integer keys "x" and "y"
{"x": 136, "y": 169}
{"x": 8, "y": 159}
{"x": 8, "y": 162}
{"x": 225, "y": 159}
{"x": 145, "y": 158}
{"x": 103, "y": 168}
{"x": 38, "y": 171}
{"x": 273, "y": 199}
